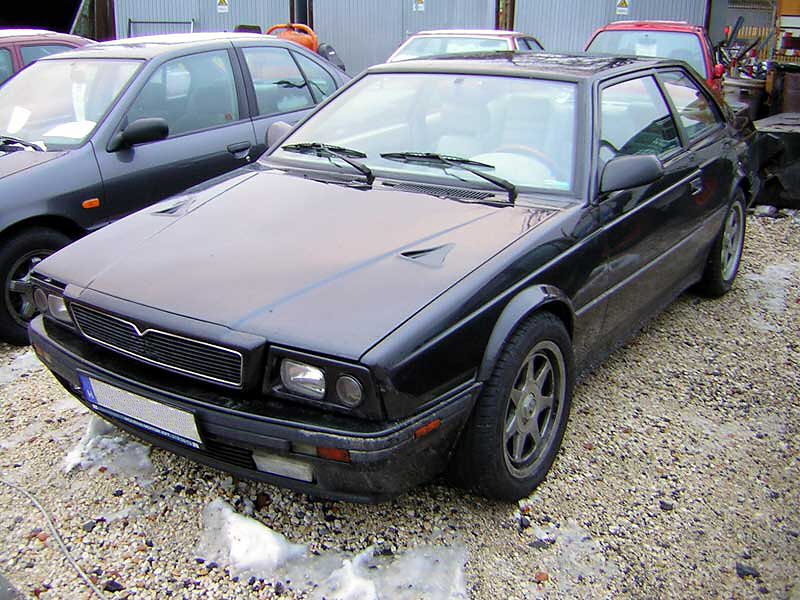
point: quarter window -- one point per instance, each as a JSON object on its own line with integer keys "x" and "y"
{"x": 35, "y": 52}
{"x": 635, "y": 119}
{"x": 191, "y": 93}
{"x": 278, "y": 83}
{"x": 6, "y": 67}
{"x": 693, "y": 107}
{"x": 321, "y": 82}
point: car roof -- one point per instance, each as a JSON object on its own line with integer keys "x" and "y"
{"x": 568, "y": 67}
{"x": 36, "y": 33}
{"x": 492, "y": 32}
{"x": 150, "y": 46}
{"x": 650, "y": 25}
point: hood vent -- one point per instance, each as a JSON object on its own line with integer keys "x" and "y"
{"x": 440, "y": 191}
{"x": 430, "y": 257}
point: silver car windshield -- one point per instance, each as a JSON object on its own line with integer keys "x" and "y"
{"x": 523, "y": 129}
{"x": 429, "y": 45}
{"x": 58, "y": 103}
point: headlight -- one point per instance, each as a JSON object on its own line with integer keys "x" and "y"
{"x": 303, "y": 379}
{"x": 58, "y": 308}
{"x": 349, "y": 391}
{"x": 40, "y": 300}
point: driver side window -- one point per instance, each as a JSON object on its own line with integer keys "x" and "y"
{"x": 635, "y": 119}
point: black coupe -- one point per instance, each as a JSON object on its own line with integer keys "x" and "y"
{"x": 410, "y": 281}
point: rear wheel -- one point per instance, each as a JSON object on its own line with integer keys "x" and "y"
{"x": 516, "y": 428}
{"x": 18, "y": 256}
{"x": 726, "y": 254}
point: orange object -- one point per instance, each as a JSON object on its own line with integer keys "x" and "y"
{"x": 91, "y": 203}
{"x": 337, "y": 454}
{"x": 297, "y": 33}
{"x": 426, "y": 429}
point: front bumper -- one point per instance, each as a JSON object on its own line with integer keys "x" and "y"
{"x": 384, "y": 461}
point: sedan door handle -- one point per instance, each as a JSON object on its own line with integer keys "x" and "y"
{"x": 696, "y": 185}
{"x": 239, "y": 148}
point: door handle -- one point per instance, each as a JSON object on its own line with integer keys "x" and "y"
{"x": 696, "y": 185}
{"x": 240, "y": 149}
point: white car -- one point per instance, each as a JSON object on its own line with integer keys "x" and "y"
{"x": 456, "y": 41}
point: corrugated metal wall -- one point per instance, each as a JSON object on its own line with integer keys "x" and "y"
{"x": 366, "y": 32}
{"x": 203, "y": 12}
{"x": 566, "y": 25}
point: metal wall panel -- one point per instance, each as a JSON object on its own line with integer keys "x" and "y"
{"x": 566, "y": 25}
{"x": 204, "y": 13}
{"x": 366, "y": 32}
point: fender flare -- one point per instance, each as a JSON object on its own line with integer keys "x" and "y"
{"x": 519, "y": 308}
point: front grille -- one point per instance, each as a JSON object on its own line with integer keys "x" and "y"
{"x": 176, "y": 353}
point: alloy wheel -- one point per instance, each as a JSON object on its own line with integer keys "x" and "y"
{"x": 732, "y": 241}
{"x": 18, "y": 289}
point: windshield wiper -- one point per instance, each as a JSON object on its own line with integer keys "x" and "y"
{"x": 455, "y": 161}
{"x": 6, "y": 140}
{"x": 329, "y": 151}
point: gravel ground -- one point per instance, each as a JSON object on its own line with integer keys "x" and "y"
{"x": 679, "y": 477}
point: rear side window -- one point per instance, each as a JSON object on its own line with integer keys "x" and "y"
{"x": 35, "y": 52}
{"x": 635, "y": 119}
{"x": 694, "y": 109}
{"x": 191, "y": 93}
{"x": 6, "y": 67}
{"x": 279, "y": 85}
{"x": 321, "y": 82}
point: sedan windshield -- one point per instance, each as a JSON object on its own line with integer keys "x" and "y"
{"x": 407, "y": 124}
{"x": 430, "y": 45}
{"x": 58, "y": 103}
{"x": 661, "y": 44}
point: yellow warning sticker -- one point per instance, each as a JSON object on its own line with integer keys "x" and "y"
{"x": 623, "y": 7}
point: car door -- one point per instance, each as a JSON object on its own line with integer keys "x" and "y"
{"x": 283, "y": 85}
{"x": 200, "y": 97}
{"x": 645, "y": 226}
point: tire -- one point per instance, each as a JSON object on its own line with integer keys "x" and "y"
{"x": 493, "y": 464}
{"x": 726, "y": 253}
{"x": 17, "y": 256}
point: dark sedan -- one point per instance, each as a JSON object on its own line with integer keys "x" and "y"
{"x": 91, "y": 135}
{"x": 411, "y": 280}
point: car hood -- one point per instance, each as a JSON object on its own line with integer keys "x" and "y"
{"x": 20, "y": 160}
{"x": 302, "y": 263}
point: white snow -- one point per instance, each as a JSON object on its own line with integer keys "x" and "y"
{"x": 248, "y": 547}
{"x": 103, "y": 445}
{"x": 27, "y": 362}
{"x": 770, "y": 292}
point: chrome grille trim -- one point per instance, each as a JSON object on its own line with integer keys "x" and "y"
{"x": 217, "y": 362}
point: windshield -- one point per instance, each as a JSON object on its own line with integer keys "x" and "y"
{"x": 429, "y": 45}
{"x": 58, "y": 103}
{"x": 661, "y": 44}
{"x": 522, "y": 130}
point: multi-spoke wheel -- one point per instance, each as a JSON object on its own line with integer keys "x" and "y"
{"x": 18, "y": 256}
{"x": 516, "y": 427}
{"x": 726, "y": 254}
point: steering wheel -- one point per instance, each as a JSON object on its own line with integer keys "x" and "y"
{"x": 540, "y": 156}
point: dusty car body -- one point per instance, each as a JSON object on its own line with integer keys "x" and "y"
{"x": 364, "y": 307}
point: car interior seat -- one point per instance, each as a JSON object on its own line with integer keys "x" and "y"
{"x": 208, "y": 106}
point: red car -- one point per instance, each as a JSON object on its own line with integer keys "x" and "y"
{"x": 663, "y": 39}
{"x": 21, "y": 47}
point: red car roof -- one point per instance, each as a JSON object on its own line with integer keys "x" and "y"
{"x": 651, "y": 25}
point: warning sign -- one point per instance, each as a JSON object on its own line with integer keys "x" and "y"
{"x": 418, "y": 6}
{"x": 222, "y": 6}
{"x": 623, "y": 7}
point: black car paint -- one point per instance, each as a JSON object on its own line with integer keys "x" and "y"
{"x": 428, "y": 335}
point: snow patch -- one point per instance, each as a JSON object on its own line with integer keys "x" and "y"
{"x": 248, "y": 547}
{"x": 103, "y": 445}
{"x": 770, "y": 291}
{"x": 24, "y": 363}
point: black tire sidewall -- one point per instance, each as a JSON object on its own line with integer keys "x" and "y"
{"x": 713, "y": 282}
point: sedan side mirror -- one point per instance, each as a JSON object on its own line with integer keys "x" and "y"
{"x": 625, "y": 172}
{"x": 719, "y": 71}
{"x": 141, "y": 131}
{"x": 276, "y": 132}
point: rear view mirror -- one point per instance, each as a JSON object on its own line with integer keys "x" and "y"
{"x": 276, "y": 132}
{"x": 625, "y": 172}
{"x": 141, "y": 131}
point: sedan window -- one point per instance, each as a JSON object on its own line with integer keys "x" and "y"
{"x": 321, "y": 82}
{"x": 635, "y": 119}
{"x": 35, "y": 52}
{"x": 278, "y": 83}
{"x": 6, "y": 67}
{"x": 694, "y": 108}
{"x": 191, "y": 93}
{"x": 434, "y": 45}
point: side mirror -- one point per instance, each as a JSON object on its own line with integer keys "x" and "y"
{"x": 719, "y": 71}
{"x": 141, "y": 131}
{"x": 276, "y": 132}
{"x": 625, "y": 172}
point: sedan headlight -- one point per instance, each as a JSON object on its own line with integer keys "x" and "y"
{"x": 58, "y": 308}
{"x": 303, "y": 379}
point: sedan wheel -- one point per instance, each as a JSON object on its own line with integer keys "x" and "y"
{"x": 732, "y": 238}
{"x": 726, "y": 254}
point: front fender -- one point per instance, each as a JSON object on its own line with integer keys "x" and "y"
{"x": 519, "y": 308}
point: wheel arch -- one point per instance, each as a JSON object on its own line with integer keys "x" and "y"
{"x": 56, "y": 223}
{"x": 519, "y": 308}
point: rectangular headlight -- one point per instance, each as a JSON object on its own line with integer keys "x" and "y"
{"x": 303, "y": 379}
{"x": 58, "y": 308}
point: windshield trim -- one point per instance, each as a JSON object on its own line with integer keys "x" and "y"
{"x": 111, "y": 106}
